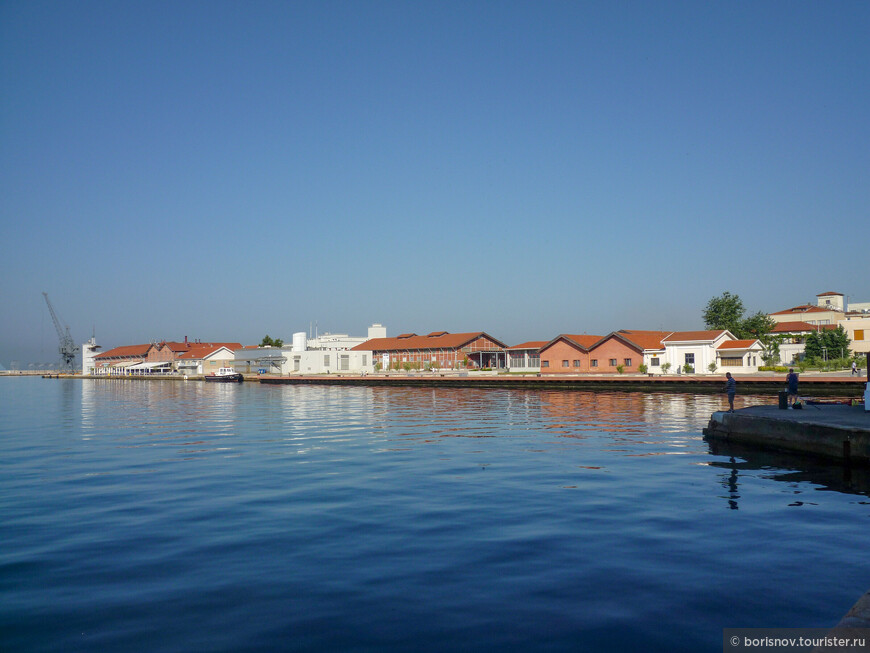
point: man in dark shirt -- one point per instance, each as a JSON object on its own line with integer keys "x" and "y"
{"x": 731, "y": 389}
{"x": 792, "y": 382}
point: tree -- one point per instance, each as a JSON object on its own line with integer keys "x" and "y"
{"x": 268, "y": 342}
{"x": 725, "y": 312}
{"x": 828, "y": 344}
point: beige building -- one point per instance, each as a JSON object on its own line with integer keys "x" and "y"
{"x": 858, "y": 329}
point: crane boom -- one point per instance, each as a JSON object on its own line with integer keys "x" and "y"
{"x": 67, "y": 347}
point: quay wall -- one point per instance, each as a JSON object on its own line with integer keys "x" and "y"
{"x": 839, "y": 433}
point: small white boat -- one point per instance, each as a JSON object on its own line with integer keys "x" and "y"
{"x": 225, "y": 375}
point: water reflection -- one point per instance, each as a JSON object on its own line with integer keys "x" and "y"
{"x": 798, "y": 472}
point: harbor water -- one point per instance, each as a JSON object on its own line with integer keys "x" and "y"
{"x": 144, "y": 516}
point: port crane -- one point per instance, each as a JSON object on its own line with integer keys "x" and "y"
{"x": 68, "y": 348}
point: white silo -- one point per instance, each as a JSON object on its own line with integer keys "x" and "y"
{"x": 299, "y": 341}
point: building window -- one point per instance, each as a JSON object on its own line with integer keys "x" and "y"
{"x": 731, "y": 362}
{"x": 593, "y": 362}
{"x": 690, "y": 359}
{"x": 326, "y": 360}
{"x": 534, "y": 361}
{"x": 365, "y": 360}
{"x": 344, "y": 362}
{"x": 628, "y": 362}
{"x": 564, "y": 363}
{"x": 576, "y": 363}
{"x": 654, "y": 362}
{"x": 859, "y": 334}
{"x": 612, "y": 362}
{"x": 545, "y": 363}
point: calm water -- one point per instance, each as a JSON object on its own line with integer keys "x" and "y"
{"x": 146, "y": 516}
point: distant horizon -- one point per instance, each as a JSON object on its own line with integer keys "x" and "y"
{"x": 220, "y": 169}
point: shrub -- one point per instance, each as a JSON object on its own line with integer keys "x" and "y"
{"x": 665, "y": 368}
{"x": 620, "y": 368}
{"x": 642, "y": 368}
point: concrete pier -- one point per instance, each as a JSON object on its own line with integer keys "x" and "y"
{"x": 835, "y": 432}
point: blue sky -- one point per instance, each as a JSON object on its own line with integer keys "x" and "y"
{"x": 223, "y": 170}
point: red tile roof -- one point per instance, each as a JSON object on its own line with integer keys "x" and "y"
{"x": 737, "y": 344}
{"x": 826, "y": 294}
{"x": 126, "y": 351}
{"x": 584, "y": 342}
{"x": 531, "y": 344}
{"x": 201, "y": 350}
{"x": 798, "y": 327}
{"x": 806, "y": 308}
{"x": 643, "y": 339}
{"x": 410, "y": 341}
{"x": 694, "y": 336}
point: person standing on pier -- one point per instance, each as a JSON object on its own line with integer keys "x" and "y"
{"x": 792, "y": 382}
{"x": 731, "y": 389}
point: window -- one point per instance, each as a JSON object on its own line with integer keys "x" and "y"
{"x": 731, "y": 362}
{"x": 344, "y": 362}
{"x": 859, "y": 334}
{"x": 326, "y": 360}
{"x": 612, "y": 362}
{"x": 576, "y": 363}
{"x": 545, "y": 363}
{"x": 628, "y": 362}
{"x": 654, "y": 362}
{"x": 534, "y": 360}
{"x": 564, "y": 363}
{"x": 690, "y": 359}
{"x": 593, "y": 362}
{"x": 365, "y": 359}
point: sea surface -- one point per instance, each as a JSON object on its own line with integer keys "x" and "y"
{"x": 183, "y": 516}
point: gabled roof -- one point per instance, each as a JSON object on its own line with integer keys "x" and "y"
{"x": 695, "y": 336}
{"x": 738, "y": 344}
{"x": 583, "y": 342}
{"x": 531, "y": 344}
{"x": 643, "y": 340}
{"x": 204, "y": 350}
{"x": 409, "y": 341}
{"x": 126, "y": 351}
{"x": 806, "y": 308}
{"x": 177, "y": 346}
{"x": 798, "y": 327}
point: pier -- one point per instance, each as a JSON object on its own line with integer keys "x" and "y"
{"x": 836, "y": 432}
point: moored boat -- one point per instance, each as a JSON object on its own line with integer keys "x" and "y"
{"x": 225, "y": 375}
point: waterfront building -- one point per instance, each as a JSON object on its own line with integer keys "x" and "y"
{"x": 331, "y": 353}
{"x": 810, "y": 314}
{"x": 568, "y": 354}
{"x": 151, "y": 358}
{"x": 205, "y": 358}
{"x": 793, "y": 338}
{"x": 628, "y": 349}
{"x": 89, "y": 353}
{"x": 695, "y": 349}
{"x": 439, "y": 350}
{"x": 739, "y": 356}
{"x": 857, "y": 327}
{"x": 525, "y": 357}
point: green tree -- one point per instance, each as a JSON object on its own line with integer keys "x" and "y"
{"x": 268, "y": 342}
{"x": 828, "y": 344}
{"x": 724, "y": 312}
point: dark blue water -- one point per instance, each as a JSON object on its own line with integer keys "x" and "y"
{"x": 149, "y": 516}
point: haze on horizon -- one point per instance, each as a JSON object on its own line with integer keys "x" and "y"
{"x": 222, "y": 171}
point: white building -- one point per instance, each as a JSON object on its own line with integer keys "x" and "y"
{"x": 525, "y": 357}
{"x": 698, "y": 349}
{"x": 330, "y": 353}
{"x": 89, "y": 351}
